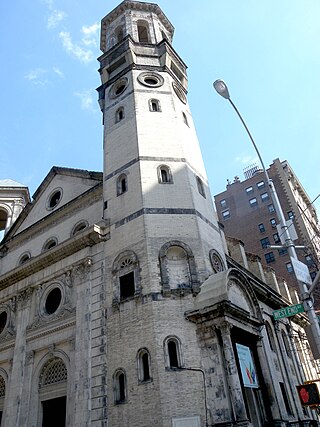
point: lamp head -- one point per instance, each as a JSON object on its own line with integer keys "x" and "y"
{"x": 221, "y": 88}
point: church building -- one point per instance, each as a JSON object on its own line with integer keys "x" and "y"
{"x": 122, "y": 303}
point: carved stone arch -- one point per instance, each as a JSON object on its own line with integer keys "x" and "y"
{"x": 216, "y": 261}
{"x": 5, "y": 214}
{"x": 193, "y": 282}
{"x": 126, "y": 276}
{"x": 238, "y": 280}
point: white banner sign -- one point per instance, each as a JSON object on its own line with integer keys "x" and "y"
{"x": 248, "y": 371}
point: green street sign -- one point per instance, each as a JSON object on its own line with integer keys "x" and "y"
{"x": 288, "y": 311}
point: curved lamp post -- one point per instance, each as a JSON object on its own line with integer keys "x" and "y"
{"x": 305, "y": 293}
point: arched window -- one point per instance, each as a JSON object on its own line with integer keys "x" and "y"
{"x": 126, "y": 276}
{"x": 185, "y": 120}
{"x": 143, "y": 359}
{"x": 3, "y": 219}
{"x": 122, "y": 184}
{"x": 270, "y": 336}
{"x": 120, "y": 386}
{"x": 50, "y": 243}
{"x": 200, "y": 187}
{"x": 178, "y": 268}
{"x": 119, "y": 34}
{"x": 119, "y": 114}
{"x": 164, "y": 175}
{"x": 172, "y": 350}
{"x": 154, "y": 105}
{"x": 52, "y": 391}
{"x": 80, "y": 226}
{"x": 24, "y": 258}
{"x": 143, "y": 32}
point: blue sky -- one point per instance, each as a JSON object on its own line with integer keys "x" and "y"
{"x": 267, "y": 51}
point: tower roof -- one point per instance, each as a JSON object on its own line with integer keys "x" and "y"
{"x": 133, "y": 5}
{"x": 11, "y": 183}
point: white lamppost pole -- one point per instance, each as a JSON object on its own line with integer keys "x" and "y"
{"x": 305, "y": 293}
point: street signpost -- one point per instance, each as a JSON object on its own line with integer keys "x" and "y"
{"x": 288, "y": 311}
{"x": 301, "y": 271}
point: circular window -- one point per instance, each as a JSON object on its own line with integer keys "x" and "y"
{"x": 53, "y": 300}
{"x": 24, "y": 259}
{"x": 3, "y": 320}
{"x": 54, "y": 198}
{"x": 179, "y": 92}
{"x": 51, "y": 243}
{"x": 150, "y": 79}
{"x": 119, "y": 87}
{"x": 79, "y": 227}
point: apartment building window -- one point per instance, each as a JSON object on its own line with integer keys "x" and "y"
{"x": 264, "y": 197}
{"x": 269, "y": 257}
{"x": 225, "y": 214}
{"x": 253, "y": 202}
{"x": 276, "y": 238}
{"x": 249, "y": 190}
{"x": 271, "y": 208}
{"x": 261, "y": 228}
{"x": 282, "y": 251}
{"x": 265, "y": 242}
{"x": 289, "y": 267}
{"x": 273, "y": 222}
{"x": 223, "y": 203}
{"x": 309, "y": 260}
{"x": 260, "y": 185}
{"x": 290, "y": 215}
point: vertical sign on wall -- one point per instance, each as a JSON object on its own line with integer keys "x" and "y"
{"x": 248, "y": 370}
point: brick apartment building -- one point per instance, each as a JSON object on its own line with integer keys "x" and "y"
{"x": 247, "y": 213}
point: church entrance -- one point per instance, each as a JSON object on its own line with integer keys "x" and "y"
{"x": 54, "y": 412}
{"x": 253, "y": 387}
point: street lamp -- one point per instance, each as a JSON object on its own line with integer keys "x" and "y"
{"x": 305, "y": 293}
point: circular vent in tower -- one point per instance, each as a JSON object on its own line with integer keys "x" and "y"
{"x": 180, "y": 94}
{"x": 119, "y": 87}
{"x": 150, "y": 79}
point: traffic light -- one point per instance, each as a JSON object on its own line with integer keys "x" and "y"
{"x": 309, "y": 394}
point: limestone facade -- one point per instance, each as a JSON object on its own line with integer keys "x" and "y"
{"x": 121, "y": 301}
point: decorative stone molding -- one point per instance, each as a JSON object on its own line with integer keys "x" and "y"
{"x": 23, "y": 298}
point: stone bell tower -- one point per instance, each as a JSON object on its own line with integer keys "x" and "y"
{"x": 165, "y": 238}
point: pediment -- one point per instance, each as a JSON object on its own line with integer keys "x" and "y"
{"x": 60, "y": 187}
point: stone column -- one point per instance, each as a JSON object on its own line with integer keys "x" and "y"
{"x": 233, "y": 380}
{"x": 16, "y": 397}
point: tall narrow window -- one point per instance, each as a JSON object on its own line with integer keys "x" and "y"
{"x": 119, "y": 114}
{"x": 126, "y": 276}
{"x": 144, "y": 365}
{"x": 185, "y": 120}
{"x": 119, "y": 34}
{"x": 119, "y": 380}
{"x": 164, "y": 175}
{"x": 143, "y": 32}
{"x": 154, "y": 105}
{"x": 122, "y": 184}
{"x": 200, "y": 187}
{"x": 173, "y": 355}
{"x": 270, "y": 337}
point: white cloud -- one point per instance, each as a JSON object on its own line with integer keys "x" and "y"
{"x": 76, "y": 50}
{"x": 37, "y": 77}
{"x": 88, "y": 102}
{"x": 247, "y": 160}
{"x": 55, "y": 18}
{"x": 58, "y": 72}
{"x": 90, "y": 35}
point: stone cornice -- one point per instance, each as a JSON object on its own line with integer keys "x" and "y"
{"x": 89, "y": 237}
{"x": 94, "y": 194}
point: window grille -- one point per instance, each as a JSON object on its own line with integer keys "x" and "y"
{"x": 54, "y": 372}
{"x": 2, "y": 387}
